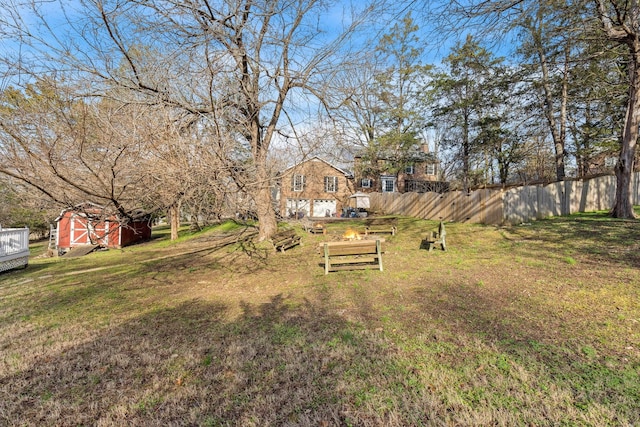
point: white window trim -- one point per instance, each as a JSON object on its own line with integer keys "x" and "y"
{"x": 383, "y": 184}
{"x": 430, "y": 169}
{"x": 368, "y": 183}
{"x": 330, "y": 187}
{"x": 298, "y": 183}
{"x": 409, "y": 169}
{"x": 610, "y": 162}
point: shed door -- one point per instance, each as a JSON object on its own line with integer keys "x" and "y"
{"x": 99, "y": 233}
{"x": 79, "y": 230}
{"x": 83, "y": 232}
{"x": 323, "y": 207}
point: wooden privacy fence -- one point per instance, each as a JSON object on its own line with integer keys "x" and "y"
{"x": 506, "y": 206}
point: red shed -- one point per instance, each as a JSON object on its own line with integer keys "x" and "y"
{"x": 87, "y": 225}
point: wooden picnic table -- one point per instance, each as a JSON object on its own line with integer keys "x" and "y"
{"x": 352, "y": 254}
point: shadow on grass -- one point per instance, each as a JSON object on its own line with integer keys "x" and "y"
{"x": 298, "y": 362}
{"x": 596, "y": 234}
{"x": 466, "y": 357}
{"x": 501, "y": 335}
{"x": 20, "y": 271}
{"x": 277, "y": 364}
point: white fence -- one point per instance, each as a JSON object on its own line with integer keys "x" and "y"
{"x": 512, "y": 206}
{"x": 14, "y": 248}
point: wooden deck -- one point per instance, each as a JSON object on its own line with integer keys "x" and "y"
{"x": 14, "y": 248}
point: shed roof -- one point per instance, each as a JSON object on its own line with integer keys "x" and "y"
{"x": 90, "y": 207}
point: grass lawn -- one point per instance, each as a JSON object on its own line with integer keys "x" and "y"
{"x": 537, "y": 324}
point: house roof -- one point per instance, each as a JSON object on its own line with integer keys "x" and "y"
{"x": 316, "y": 158}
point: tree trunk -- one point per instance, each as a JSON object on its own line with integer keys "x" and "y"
{"x": 465, "y": 152}
{"x": 623, "y": 207}
{"x": 174, "y": 219}
{"x": 557, "y": 132}
{"x": 264, "y": 205}
{"x": 623, "y": 28}
{"x": 564, "y": 100}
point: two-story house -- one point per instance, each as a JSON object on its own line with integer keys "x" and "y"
{"x": 314, "y": 188}
{"x": 416, "y": 172}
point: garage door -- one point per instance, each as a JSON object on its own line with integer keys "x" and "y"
{"x": 323, "y": 208}
{"x": 297, "y": 206}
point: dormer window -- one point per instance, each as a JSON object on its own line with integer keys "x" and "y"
{"x": 409, "y": 170}
{"x": 365, "y": 183}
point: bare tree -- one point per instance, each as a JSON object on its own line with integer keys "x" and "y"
{"x": 131, "y": 159}
{"x": 70, "y": 149}
{"x": 242, "y": 64}
{"x": 621, "y": 23}
{"x": 552, "y": 62}
{"x": 183, "y": 168}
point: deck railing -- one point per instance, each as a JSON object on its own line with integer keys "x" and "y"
{"x": 14, "y": 248}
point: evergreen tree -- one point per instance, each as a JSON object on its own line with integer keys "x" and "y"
{"x": 401, "y": 94}
{"x": 465, "y": 89}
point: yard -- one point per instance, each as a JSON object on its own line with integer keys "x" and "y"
{"x": 536, "y": 324}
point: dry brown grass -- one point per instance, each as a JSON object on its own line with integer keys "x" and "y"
{"x": 528, "y": 325}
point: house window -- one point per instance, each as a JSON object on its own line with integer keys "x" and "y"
{"x": 330, "y": 184}
{"x": 431, "y": 169}
{"x": 409, "y": 170}
{"x": 388, "y": 184}
{"x": 610, "y": 162}
{"x": 297, "y": 183}
{"x": 365, "y": 183}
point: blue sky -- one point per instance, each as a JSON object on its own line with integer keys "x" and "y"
{"x": 426, "y": 13}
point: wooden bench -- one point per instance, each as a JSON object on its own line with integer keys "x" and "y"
{"x": 285, "y": 239}
{"x": 435, "y": 238}
{"x": 381, "y": 225}
{"x": 316, "y": 229}
{"x": 352, "y": 255}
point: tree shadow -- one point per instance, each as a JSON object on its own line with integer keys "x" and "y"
{"x": 231, "y": 249}
{"x": 16, "y": 272}
{"x": 605, "y": 239}
{"x": 558, "y": 349}
{"x": 278, "y": 363}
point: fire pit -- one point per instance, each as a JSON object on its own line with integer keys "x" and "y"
{"x": 351, "y": 235}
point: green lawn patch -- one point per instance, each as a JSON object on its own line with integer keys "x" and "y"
{"x": 527, "y": 325}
